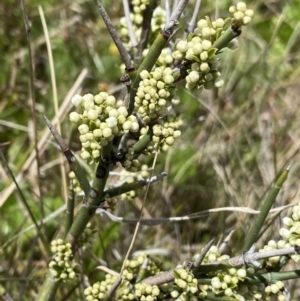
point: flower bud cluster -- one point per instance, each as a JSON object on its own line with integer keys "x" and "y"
{"x": 146, "y": 292}
{"x": 291, "y": 232}
{"x": 241, "y": 15}
{"x": 226, "y": 282}
{"x": 164, "y": 135}
{"x": 102, "y": 118}
{"x": 99, "y": 289}
{"x": 251, "y": 292}
{"x": 153, "y": 95}
{"x": 185, "y": 285}
{"x": 131, "y": 163}
{"x": 87, "y": 237}
{"x": 76, "y": 186}
{"x": 200, "y": 55}
{"x": 272, "y": 245}
{"x": 275, "y": 290}
{"x": 212, "y": 255}
{"x": 139, "y": 5}
{"x": 60, "y": 266}
{"x": 142, "y": 261}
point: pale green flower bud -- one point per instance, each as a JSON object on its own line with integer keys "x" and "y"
{"x": 74, "y": 117}
{"x": 285, "y": 233}
{"x": 232, "y": 9}
{"x": 219, "y": 83}
{"x": 174, "y": 294}
{"x": 177, "y": 55}
{"x": 85, "y": 155}
{"x": 204, "y": 56}
{"x": 88, "y": 104}
{"x": 246, "y": 20}
{"x": 111, "y": 122}
{"x": 220, "y": 22}
{"x": 86, "y": 144}
{"x": 110, "y": 100}
{"x": 83, "y": 129}
{"x": 189, "y": 55}
{"x": 144, "y": 74}
{"x": 97, "y": 133}
{"x": 204, "y": 67}
{"x": 241, "y": 273}
{"x": 177, "y": 134}
{"x": 206, "y": 44}
{"x": 168, "y": 79}
{"x": 202, "y": 24}
{"x": 194, "y": 76}
{"x": 107, "y": 133}
{"x": 170, "y": 141}
{"x": 134, "y": 127}
{"x": 96, "y": 153}
{"x": 89, "y": 136}
{"x": 92, "y": 114}
{"x": 162, "y": 102}
{"x": 216, "y": 283}
{"x": 197, "y": 48}
{"x": 206, "y": 32}
{"x": 238, "y": 15}
{"x": 241, "y": 6}
{"x": 249, "y": 13}
{"x": 182, "y": 46}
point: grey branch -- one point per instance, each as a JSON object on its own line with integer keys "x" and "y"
{"x": 192, "y": 24}
{"x": 115, "y": 36}
{"x": 174, "y": 19}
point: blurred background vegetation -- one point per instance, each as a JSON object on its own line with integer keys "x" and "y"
{"x": 233, "y": 143}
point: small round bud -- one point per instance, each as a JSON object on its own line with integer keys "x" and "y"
{"x": 110, "y": 100}
{"x": 144, "y": 74}
{"x": 107, "y": 132}
{"x": 77, "y": 100}
{"x": 111, "y": 122}
{"x": 83, "y": 129}
{"x": 92, "y": 114}
{"x": 74, "y": 117}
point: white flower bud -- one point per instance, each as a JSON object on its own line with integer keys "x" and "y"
{"x": 83, "y": 129}
{"x": 107, "y": 133}
{"x": 86, "y": 144}
{"x": 189, "y": 55}
{"x": 92, "y": 114}
{"x": 111, "y": 122}
{"x": 204, "y": 56}
{"x": 206, "y": 32}
{"x": 168, "y": 79}
{"x": 194, "y": 76}
{"x": 202, "y": 23}
{"x": 169, "y": 140}
{"x": 288, "y": 221}
{"x": 219, "y": 83}
{"x": 113, "y": 113}
{"x": 246, "y": 20}
{"x": 216, "y": 283}
{"x": 144, "y": 74}
{"x": 134, "y": 127}
{"x": 249, "y": 13}
{"x": 77, "y": 100}
{"x": 241, "y": 6}
{"x": 88, "y": 105}
{"x": 85, "y": 155}
{"x": 206, "y": 44}
{"x": 204, "y": 67}
{"x": 197, "y": 48}
{"x": 89, "y": 136}
{"x": 110, "y": 101}
{"x": 96, "y": 153}
{"x": 126, "y": 125}
{"x": 121, "y": 119}
{"x": 238, "y": 15}
{"x": 219, "y": 22}
{"x": 182, "y": 46}
{"x": 74, "y": 117}
{"x": 232, "y": 9}
{"x": 88, "y": 97}
{"x": 177, "y": 134}
{"x": 162, "y": 102}
{"x": 177, "y": 55}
